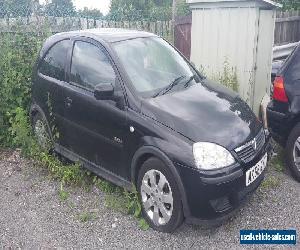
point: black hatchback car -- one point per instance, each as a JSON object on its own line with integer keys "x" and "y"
{"x": 133, "y": 110}
{"x": 283, "y": 112}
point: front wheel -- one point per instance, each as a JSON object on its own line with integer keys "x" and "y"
{"x": 293, "y": 152}
{"x": 160, "y": 196}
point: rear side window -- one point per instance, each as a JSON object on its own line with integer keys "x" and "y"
{"x": 90, "y": 66}
{"x": 53, "y": 64}
{"x": 293, "y": 71}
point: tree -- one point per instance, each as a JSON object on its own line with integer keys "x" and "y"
{"x": 15, "y": 8}
{"x": 131, "y": 10}
{"x": 91, "y": 13}
{"x": 60, "y": 8}
{"x": 2, "y": 10}
{"x": 290, "y": 4}
{"x": 183, "y": 9}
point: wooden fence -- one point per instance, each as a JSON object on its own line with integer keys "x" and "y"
{"x": 182, "y": 39}
{"x": 60, "y": 24}
{"x": 287, "y": 28}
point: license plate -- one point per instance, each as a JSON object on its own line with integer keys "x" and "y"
{"x": 253, "y": 173}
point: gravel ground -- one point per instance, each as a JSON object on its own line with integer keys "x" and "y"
{"x": 33, "y": 216}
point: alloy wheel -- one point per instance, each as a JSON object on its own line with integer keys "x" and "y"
{"x": 157, "y": 198}
{"x": 296, "y": 153}
{"x": 41, "y": 134}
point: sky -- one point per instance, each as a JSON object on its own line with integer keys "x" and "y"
{"x": 102, "y": 5}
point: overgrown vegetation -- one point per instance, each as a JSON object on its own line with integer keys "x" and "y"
{"x": 227, "y": 77}
{"x": 16, "y": 62}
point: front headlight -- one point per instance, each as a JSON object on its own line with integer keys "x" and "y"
{"x": 210, "y": 156}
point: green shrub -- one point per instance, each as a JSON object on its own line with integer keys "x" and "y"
{"x": 17, "y": 56}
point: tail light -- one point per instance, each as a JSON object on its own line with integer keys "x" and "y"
{"x": 279, "y": 91}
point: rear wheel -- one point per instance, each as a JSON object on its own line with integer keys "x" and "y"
{"x": 160, "y": 196}
{"x": 293, "y": 152}
{"x": 41, "y": 132}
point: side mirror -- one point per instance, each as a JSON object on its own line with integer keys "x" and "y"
{"x": 104, "y": 91}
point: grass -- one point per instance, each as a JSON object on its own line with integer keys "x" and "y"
{"x": 63, "y": 195}
{"x": 270, "y": 182}
{"x": 278, "y": 161}
{"x": 86, "y": 216}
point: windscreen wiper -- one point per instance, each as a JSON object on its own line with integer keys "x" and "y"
{"x": 170, "y": 86}
{"x": 189, "y": 80}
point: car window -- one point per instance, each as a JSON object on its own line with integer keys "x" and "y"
{"x": 293, "y": 72}
{"x": 90, "y": 66}
{"x": 53, "y": 64}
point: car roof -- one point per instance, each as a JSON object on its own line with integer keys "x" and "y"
{"x": 108, "y": 35}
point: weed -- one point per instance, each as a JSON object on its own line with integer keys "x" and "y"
{"x": 228, "y": 77}
{"x": 107, "y": 187}
{"x": 63, "y": 195}
{"x": 270, "y": 182}
{"x": 86, "y": 216}
{"x": 116, "y": 202}
{"x": 143, "y": 224}
{"x": 127, "y": 202}
{"x": 277, "y": 162}
{"x": 133, "y": 205}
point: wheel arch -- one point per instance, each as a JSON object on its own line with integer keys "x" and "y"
{"x": 147, "y": 152}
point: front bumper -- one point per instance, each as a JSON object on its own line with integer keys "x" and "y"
{"x": 215, "y": 197}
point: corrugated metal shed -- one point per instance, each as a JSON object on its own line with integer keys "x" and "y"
{"x": 240, "y": 32}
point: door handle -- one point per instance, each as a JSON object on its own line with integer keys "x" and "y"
{"x": 69, "y": 102}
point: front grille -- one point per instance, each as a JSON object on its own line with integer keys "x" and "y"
{"x": 248, "y": 151}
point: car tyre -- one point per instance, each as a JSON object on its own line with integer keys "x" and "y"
{"x": 293, "y": 152}
{"x": 160, "y": 196}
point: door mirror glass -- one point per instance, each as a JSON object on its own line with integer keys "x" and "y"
{"x": 104, "y": 91}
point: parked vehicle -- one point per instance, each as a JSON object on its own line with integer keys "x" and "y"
{"x": 283, "y": 111}
{"x": 133, "y": 110}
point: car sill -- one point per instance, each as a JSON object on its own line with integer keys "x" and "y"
{"x": 107, "y": 175}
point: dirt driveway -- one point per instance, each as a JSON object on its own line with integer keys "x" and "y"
{"x": 33, "y": 216}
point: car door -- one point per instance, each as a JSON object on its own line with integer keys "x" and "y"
{"x": 96, "y": 128}
{"x": 48, "y": 94}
